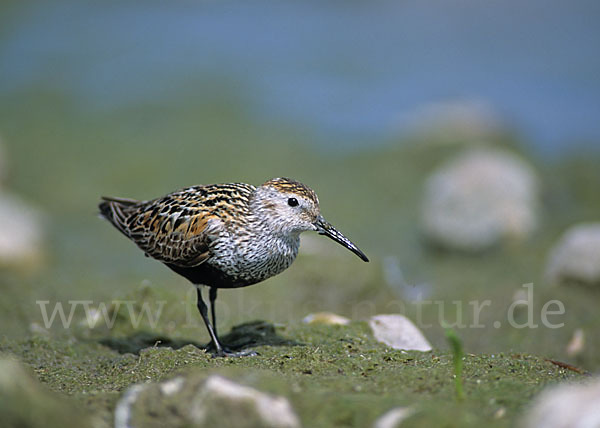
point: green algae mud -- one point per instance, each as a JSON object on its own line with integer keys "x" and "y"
{"x": 332, "y": 376}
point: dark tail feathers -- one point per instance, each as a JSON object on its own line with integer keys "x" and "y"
{"x": 115, "y": 210}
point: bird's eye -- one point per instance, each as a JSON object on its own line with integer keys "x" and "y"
{"x": 293, "y": 202}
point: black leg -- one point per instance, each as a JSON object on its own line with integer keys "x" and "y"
{"x": 219, "y": 351}
{"x": 213, "y": 297}
{"x": 204, "y": 312}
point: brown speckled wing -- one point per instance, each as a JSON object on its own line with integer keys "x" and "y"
{"x": 181, "y": 238}
{"x": 177, "y": 228}
{"x": 166, "y": 229}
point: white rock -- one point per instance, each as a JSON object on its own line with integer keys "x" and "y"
{"x": 217, "y": 390}
{"x": 203, "y": 402}
{"x": 398, "y": 332}
{"x": 500, "y": 413}
{"x": 393, "y": 418}
{"x": 576, "y": 257}
{"x": 328, "y": 318}
{"x": 172, "y": 386}
{"x": 123, "y": 410}
{"x": 577, "y": 343}
{"x": 21, "y": 232}
{"x": 478, "y": 199}
{"x": 566, "y": 406}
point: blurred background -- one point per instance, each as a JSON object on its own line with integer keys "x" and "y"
{"x": 457, "y": 144}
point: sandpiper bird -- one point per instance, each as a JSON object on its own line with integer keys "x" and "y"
{"x": 224, "y": 235}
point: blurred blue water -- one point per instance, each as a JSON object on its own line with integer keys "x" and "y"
{"x": 344, "y": 69}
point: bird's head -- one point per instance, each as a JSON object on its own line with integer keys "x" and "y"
{"x": 289, "y": 207}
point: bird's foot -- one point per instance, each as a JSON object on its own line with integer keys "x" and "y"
{"x": 224, "y": 352}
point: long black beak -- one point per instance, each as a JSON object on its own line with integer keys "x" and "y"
{"x": 324, "y": 228}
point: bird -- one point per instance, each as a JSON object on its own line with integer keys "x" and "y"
{"x": 224, "y": 235}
